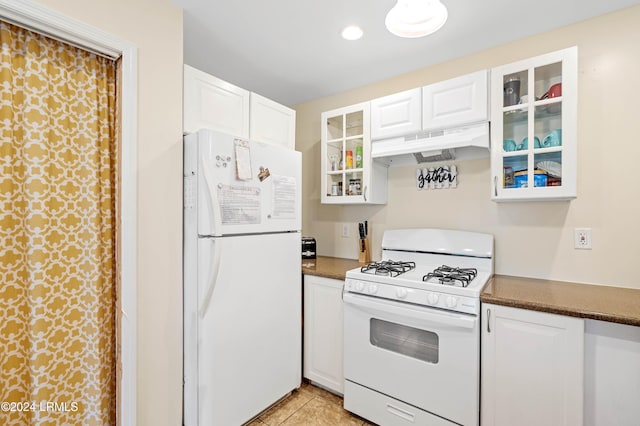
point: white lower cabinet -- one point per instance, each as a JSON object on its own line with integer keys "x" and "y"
{"x": 323, "y": 331}
{"x": 611, "y": 374}
{"x": 532, "y": 368}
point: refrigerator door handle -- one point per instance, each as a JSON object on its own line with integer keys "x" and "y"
{"x": 212, "y": 205}
{"x": 212, "y": 279}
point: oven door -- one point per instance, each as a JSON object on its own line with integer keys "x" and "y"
{"x": 425, "y": 357}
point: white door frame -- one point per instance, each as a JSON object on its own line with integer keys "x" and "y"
{"x": 55, "y": 24}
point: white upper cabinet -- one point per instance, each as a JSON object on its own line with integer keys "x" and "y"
{"x": 454, "y": 102}
{"x": 446, "y": 104}
{"x": 348, "y": 173}
{"x": 396, "y": 115}
{"x": 534, "y": 128}
{"x": 271, "y": 122}
{"x": 211, "y": 103}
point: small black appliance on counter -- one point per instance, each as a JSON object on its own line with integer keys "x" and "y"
{"x": 308, "y": 248}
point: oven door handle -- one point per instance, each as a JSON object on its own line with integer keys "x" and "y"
{"x": 390, "y": 307}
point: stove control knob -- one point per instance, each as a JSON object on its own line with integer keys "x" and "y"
{"x": 373, "y": 289}
{"x": 401, "y": 293}
{"x": 432, "y": 298}
{"x": 452, "y": 301}
{"x": 359, "y": 285}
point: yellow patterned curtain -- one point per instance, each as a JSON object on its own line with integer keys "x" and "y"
{"x": 58, "y": 182}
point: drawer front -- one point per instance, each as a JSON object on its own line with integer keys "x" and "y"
{"x": 384, "y": 410}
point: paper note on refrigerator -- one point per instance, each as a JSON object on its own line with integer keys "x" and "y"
{"x": 243, "y": 159}
{"x": 239, "y": 205}
{"x": 284, "y": 197}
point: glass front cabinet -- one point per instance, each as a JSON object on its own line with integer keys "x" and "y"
{"x": 534, "y": 128}
{"x": 348, "y": 175}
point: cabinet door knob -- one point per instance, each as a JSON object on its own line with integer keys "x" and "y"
{"x": 495, "y": 185}
{"x": 364, "y": 193}
{"x": 488, "y": 320}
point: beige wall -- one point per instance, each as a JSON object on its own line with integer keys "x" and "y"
{"x": 155, "y": 27}
{"x": 533, "y": 239}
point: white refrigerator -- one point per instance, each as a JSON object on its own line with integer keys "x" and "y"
{"x": 242, "y": 286}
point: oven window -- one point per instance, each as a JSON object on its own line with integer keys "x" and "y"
{"x": 409, "y": 341}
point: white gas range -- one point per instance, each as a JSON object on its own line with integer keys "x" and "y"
{"x": 411, "y": 322}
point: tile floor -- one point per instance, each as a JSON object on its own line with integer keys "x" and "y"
{"x": 308, "y": 406}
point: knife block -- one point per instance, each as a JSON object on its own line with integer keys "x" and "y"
{"x": 364, "y": 255}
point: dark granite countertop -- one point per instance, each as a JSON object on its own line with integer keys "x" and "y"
{"x": 604, "y": 303}
{"x": 329, "y": 267}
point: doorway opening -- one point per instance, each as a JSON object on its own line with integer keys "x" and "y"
{"x": 46, "y": 21}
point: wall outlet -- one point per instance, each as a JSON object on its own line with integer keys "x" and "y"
{"x": 582, "y": 238}
{"x": 345, "y": 230}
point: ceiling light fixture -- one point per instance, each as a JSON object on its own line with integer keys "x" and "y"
{"x": 416, "y": 18}
{"x": 352, "y": 32}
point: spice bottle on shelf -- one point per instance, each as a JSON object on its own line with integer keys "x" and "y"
{"x": 349, "y": 164}
{"x": 358, "y": 157}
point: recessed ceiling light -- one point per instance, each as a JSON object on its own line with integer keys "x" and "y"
{"x": 352, "y": 32}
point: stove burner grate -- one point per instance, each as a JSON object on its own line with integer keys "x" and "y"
{"x": 449, "y": 275}
{"x": 388, "y": 267}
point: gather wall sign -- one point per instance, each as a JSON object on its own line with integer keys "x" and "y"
{"x": 442, "y": 177}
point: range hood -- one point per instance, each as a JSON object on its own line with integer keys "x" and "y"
{"x": 461, "y": 143}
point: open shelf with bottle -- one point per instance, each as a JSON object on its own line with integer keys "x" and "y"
{"x": 534, "y": 128}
